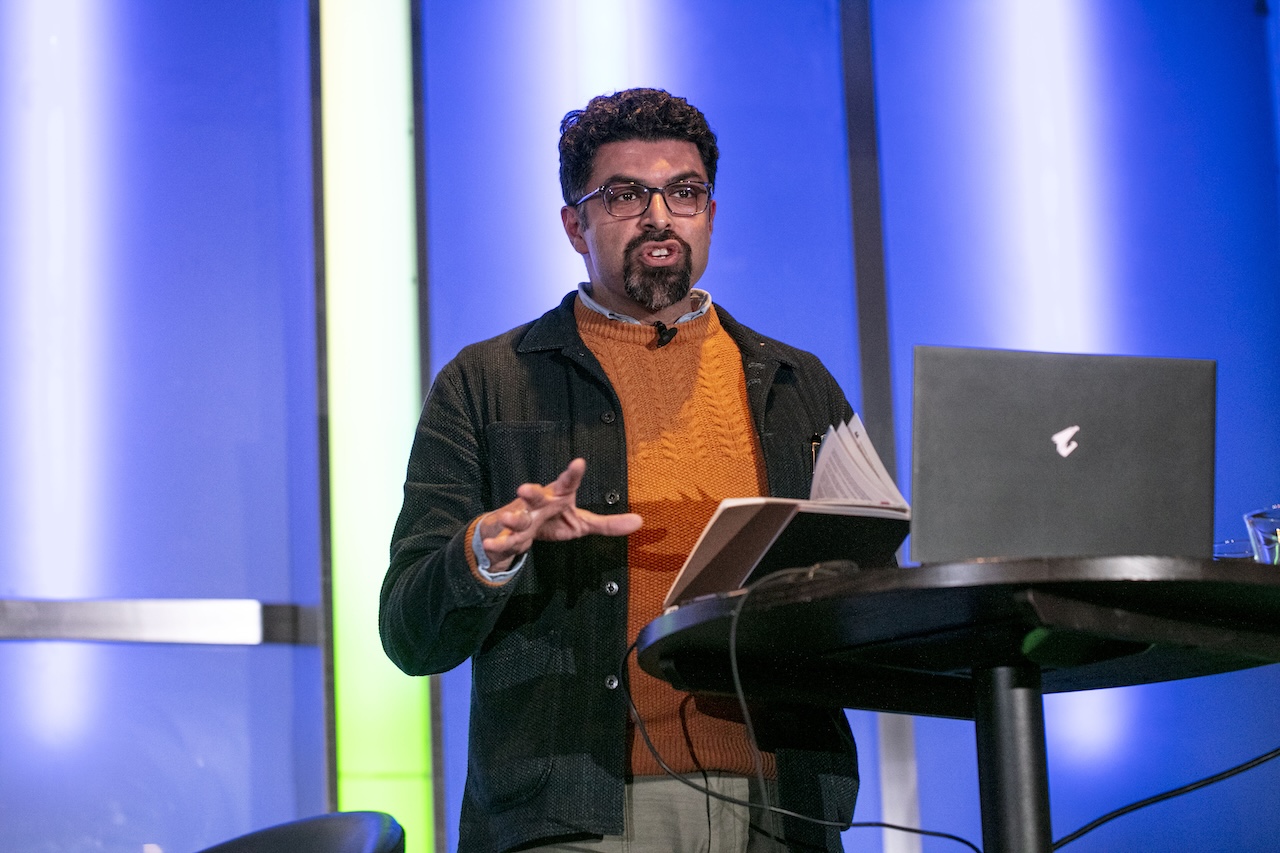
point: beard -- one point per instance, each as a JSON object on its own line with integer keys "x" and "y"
{"x": 657, "y": 288}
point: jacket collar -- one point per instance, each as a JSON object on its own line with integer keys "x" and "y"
{"x": 554, "y": 330}
{"x": 754, "y": 346}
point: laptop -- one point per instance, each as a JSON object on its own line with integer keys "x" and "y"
{"x": 1031, "y": 454}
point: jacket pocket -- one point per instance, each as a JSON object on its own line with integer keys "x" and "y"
{"x": 524, "y": 452}
{"x": 515, "y": 709}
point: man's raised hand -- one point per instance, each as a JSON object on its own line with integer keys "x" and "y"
{"x": 549, "y": 513}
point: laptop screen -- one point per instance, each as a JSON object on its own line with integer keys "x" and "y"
{"x": 1029, "y": 454}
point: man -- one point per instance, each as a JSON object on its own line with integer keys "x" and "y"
{"x": 560, "y": 475}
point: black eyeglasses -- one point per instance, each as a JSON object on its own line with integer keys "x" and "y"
{"x": 625, "y": 200}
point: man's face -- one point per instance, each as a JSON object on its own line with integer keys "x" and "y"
{"x": 643, "y": 266}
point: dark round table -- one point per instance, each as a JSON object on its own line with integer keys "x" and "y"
{"x": 982, "y": 641}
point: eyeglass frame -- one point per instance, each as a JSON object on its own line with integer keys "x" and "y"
{"x": 649, "y": 193}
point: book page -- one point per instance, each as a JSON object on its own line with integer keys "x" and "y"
{"x": 836, "y": 476}
{"x": 858, "y": 431}
{"x": 858, "y": 455}
{"x": 848, "y": 469}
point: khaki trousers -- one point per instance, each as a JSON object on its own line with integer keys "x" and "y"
{"x": 662, "y": 815}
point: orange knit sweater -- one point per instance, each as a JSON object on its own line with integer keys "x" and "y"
{"x": 690, "y": 443}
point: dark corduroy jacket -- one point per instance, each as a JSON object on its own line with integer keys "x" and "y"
{"x": 548, "y": 738}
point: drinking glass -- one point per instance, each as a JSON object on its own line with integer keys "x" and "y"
{"x": 1264, "y": 533}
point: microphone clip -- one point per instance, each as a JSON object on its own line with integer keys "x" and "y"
{"x": 665, "y": 333}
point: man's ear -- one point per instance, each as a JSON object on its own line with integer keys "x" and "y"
{"x": 574, "y": 226}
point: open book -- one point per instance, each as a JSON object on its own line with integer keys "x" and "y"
{"x": 854, "y": 512}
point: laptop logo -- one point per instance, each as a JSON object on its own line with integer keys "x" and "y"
{"x": 1063, "y": 441}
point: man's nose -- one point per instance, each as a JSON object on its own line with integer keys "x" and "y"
{"x": 658, "y": 216}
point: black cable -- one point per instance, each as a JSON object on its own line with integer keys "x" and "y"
{"x": 666, "y": 768}
{"x": 756, "y": 759}
{"x": 874, "y": 824}
{"x": 706, "y": 780}
{"x": 625, "y": 682}
{"x": 1167, "y": 795}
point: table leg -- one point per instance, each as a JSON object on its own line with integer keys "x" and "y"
{"x": 1013, "y": 779}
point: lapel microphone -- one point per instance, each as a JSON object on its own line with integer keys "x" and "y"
{"x": 665, "y": 334}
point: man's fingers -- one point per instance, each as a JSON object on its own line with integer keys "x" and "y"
{"x": 570, "y": 478}
{"x": 490, "y": 524}
{"x": 563, "y": 486}
{"x": 503, "y": 546}
{"x": 549, "y": 512}
{"x": 516, "y": 519}
{"x": 512, "y": 517}
{"x": 611, "y": 525}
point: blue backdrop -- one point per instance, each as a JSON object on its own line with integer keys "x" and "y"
{"x": 1086, "y": 176}
{"x": 1095, "y": 176}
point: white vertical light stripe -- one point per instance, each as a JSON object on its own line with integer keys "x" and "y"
{"x": 899, "y": 782}
{"x": 605, "y": 46}
{"x": 54, "y": 292}
{"x": 1053, "y": 293}
{"x": 576, "y": 49}
{"x": 53, "y": 305}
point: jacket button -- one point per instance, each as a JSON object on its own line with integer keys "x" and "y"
{"x": 611, "y": 682}
{"x": 607, "y": 417}
{"x": 612, "y": 498}
{"x": 611, "y": 588}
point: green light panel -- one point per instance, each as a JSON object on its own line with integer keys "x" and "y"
{"x": 382, "y": 716}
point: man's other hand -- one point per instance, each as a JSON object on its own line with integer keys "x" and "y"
{"x": 549, "y": 513}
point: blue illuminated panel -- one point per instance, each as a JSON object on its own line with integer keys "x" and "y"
{"x": 213, "y": 307}
{"x": 1098, "y": 177}
{"x": 158, "y": 402}
{"x": 1179, "y": 218}
{"x": 176, "y": 747}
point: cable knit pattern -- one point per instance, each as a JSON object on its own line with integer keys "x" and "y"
{"x": 690, "y": 443}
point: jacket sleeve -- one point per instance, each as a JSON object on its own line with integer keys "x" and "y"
{"x": 434, "y": 611}
{"x": 837, "y": 404}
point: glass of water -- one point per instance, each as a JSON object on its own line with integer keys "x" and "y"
{"x": 1264, "y": 533}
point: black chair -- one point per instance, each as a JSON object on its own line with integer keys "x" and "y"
{"x": 339, "y": 832}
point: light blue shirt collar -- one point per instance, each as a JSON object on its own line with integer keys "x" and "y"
{"x": 701, "y": 305}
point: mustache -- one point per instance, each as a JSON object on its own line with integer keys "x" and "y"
{"x": 658, "y": 237}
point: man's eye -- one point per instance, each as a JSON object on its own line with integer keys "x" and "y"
{"x": 682, "y": 191}
{"x": 625, "y": 196}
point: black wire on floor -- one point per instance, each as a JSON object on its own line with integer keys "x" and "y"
{"x": 1167, "y": 795}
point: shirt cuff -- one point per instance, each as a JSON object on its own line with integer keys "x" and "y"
{"x": 483, "y": 563}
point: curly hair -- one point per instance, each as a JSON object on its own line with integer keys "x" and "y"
{"x": 645, "y": 114}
